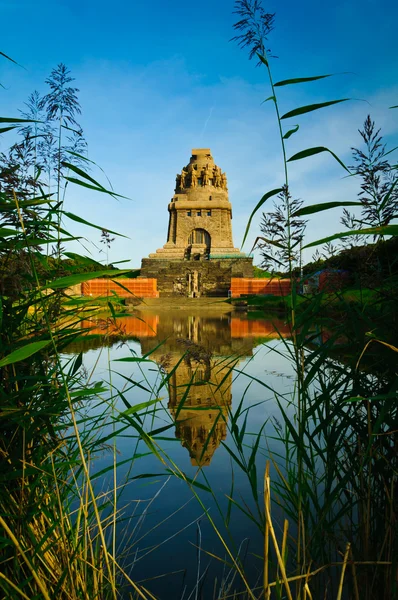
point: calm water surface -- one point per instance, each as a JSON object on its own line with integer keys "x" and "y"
{"x": 225, "y": 358}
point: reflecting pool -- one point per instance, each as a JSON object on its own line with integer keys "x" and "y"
{"x": 192, "y": 383}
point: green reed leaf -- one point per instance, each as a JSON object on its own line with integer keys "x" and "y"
{"x": 269, "y": 98}
{"x": 93, "y": 187}
{"x": 24, "y": 352}
{"x": 77, "y": 363}
{"x": 133, "y": 359}
{"x": 5, "y": 129}
{"x": 87, "y": 392}
{"x": 317, "y": 150}
{"x": 290, "y": 132}
{"x": 85, "y": 159}
{"x": 105, "y": 470}
{"x": 272, "y": 258}
{"x": 13, "y": 120}
{"x": 83, "y": 260}
{"x": 133, "y": 385}
{"x": 390, "y": 151}
{"x": 311, "y": 107}
{"x": 388, "y": 195}
{"x": 184, "y": 477}
{"x": 71, "y": 129}
{"x": 209, "y": 435}
{"x": 69, "y": 280}
{"x": 84, "y": 222}
{"x": 111, "y": 308}
{"x": 231, "y": 493}
{"x": 85, "y": 175}
{"x": 396, "y": 106}
{"x": 141, "y": 406}
{"x": 155, "y": 432}
{"x": 234, "y": 457}
{"x": 260, "y": 203}
{"x": 262, "y": 59}
{"x": 268, "y": 241}
{"x": 314, "y": 208}
{"x": 10, "y": 207}
{"x": 253, "y": 453}
{"x": 36, "y": 201}
{"x": 5, "y": 232}
{"x": 183, "y": 398}
{"x": 385, "y": 230}
{"x": 82, "y": 173}
{"x": 300, "y": 80}
{"x": 126, "y": 289}
{"x": 170, "y": 374}
{"x": 143, "y": 435}
{"x": 245, "y": 512}
{"x": 11, "y": 59}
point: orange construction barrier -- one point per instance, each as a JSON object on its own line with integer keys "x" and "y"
{"x": 246, "y": 286}
{"x": 130, "y": 326}
{"x": 243, "y": 328}
{"x": 139, "y": 288}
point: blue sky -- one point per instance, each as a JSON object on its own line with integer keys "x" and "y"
{"x": 158, "y": 79}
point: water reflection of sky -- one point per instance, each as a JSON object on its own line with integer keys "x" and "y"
{"x": 226, "y": 358}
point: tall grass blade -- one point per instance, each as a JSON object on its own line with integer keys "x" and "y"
{"x": 310, "y": 108}
{"x": 316, "y": 150}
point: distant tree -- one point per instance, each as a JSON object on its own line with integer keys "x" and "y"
{"x": 259, "y": 273}
{"x": 370, "y": 264}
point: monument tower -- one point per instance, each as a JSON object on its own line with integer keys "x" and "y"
{"x": 199, "y": 257}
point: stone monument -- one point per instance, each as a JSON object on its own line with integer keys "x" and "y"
{"x": 199, "y": 257}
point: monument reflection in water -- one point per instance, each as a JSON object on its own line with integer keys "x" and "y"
{"x": 198, "y": 353}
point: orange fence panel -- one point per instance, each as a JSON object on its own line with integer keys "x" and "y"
{"x": 244, "y": 286}
{"x": 141, "y": 288}
{"x": 129, "y": 326}
{"x": 243, "y": 328}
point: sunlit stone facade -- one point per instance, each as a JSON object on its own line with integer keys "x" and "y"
{"x": 199, "y": 257}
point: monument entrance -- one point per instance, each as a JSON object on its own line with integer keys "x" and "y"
{"x": 199, "y": 245}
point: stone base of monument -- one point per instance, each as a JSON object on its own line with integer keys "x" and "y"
{"x": 196, "y": 279}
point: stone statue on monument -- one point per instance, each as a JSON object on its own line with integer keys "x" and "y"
{"x": 205, "y": 175}
{"x": 178, "y": 181}
{"x": 194, "y": 178}
{"x": 183, "y": 177}
{"x": 224, "y": 181}
{"x": 217, "y": 176}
